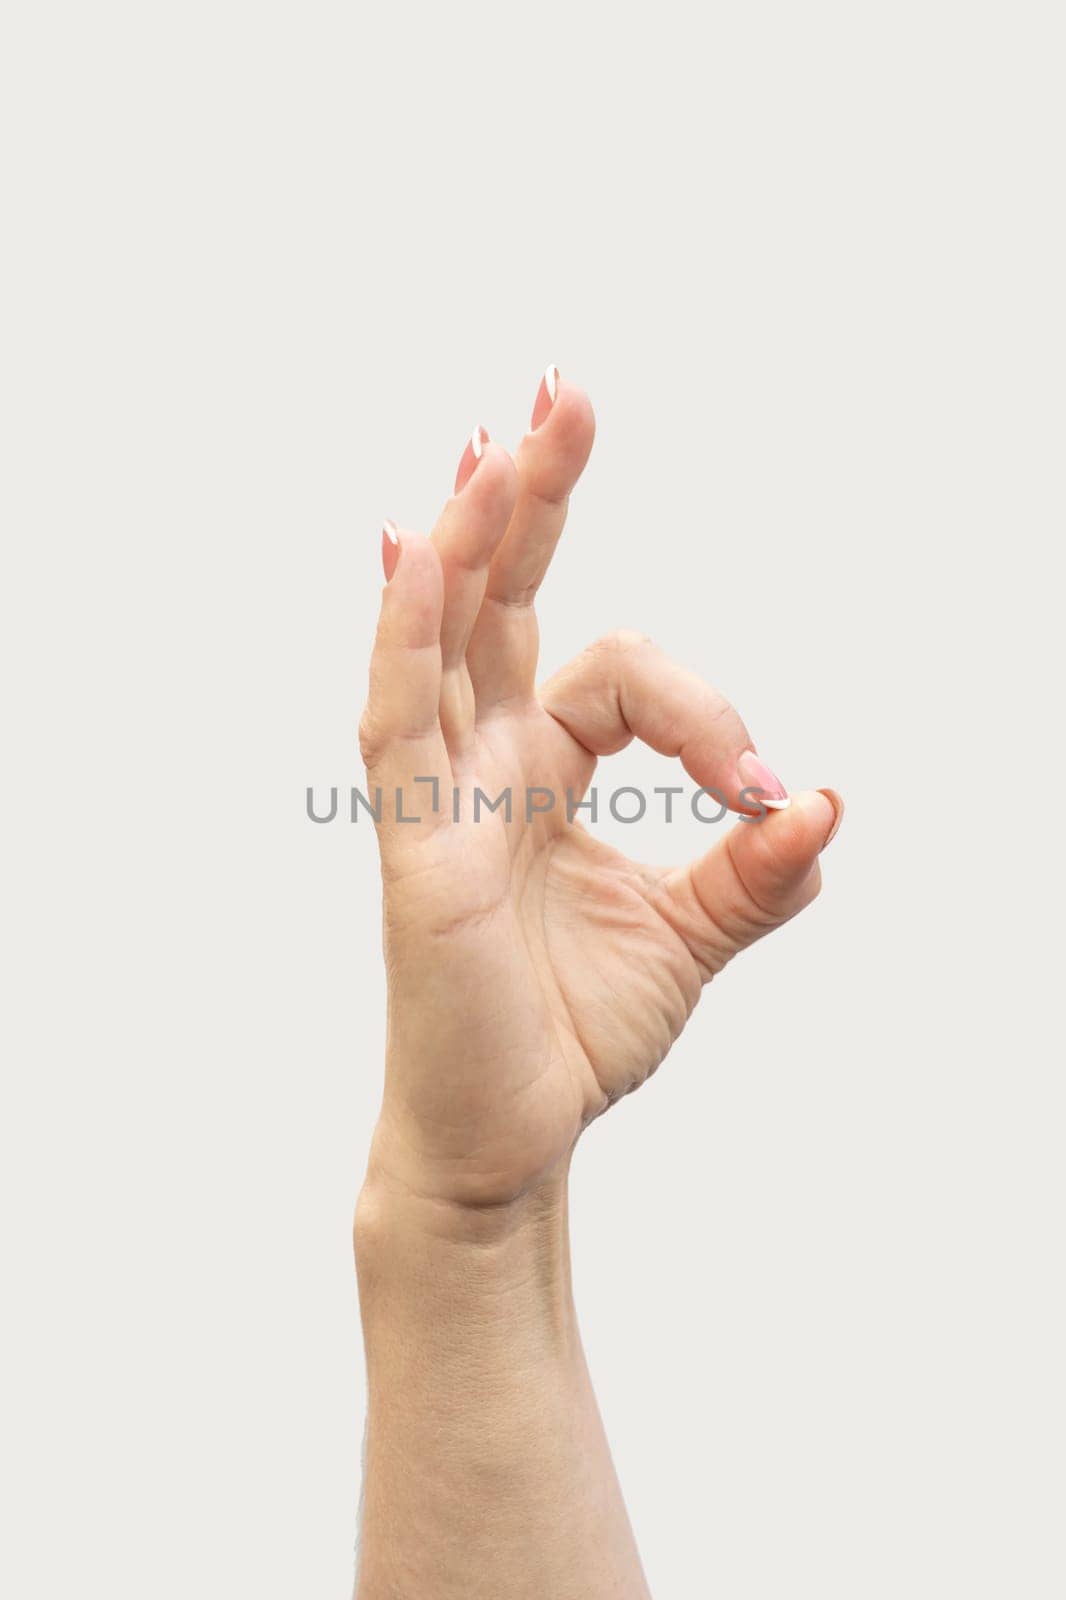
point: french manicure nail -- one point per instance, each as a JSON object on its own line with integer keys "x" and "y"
{"x": 757, "y": 775}
{"x": 838, "y": 806}
{"x": 390, "y": 548}
{"x": 549, "y": 388}
{"x": 475, "y": 447}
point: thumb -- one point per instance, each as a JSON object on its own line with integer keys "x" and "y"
{"x": 756, "y": 878}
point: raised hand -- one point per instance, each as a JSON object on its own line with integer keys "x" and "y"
{"x": 535, "y": 974}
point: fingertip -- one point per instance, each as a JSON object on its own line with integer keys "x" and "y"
{"x": 560, "y": 440}
{"x": 799, "y": 833}
{"x": 782, "y": 846}
{"x": 489, "y": 494}
{"x": 837, "y": 802}
{"x": 471, "y": 458}
{"x": 761, "y": 789}
{"x": 573, "y": 419}
{"x": 573, "y": 408}
{"x": 547, "y": 390}
{"x": 414, "y": 584}
{"x": 390, "y": 548}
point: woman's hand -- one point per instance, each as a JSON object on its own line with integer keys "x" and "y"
{"x": 536, "y": 975}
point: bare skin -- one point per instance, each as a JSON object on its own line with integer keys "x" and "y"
{"x": 535, "y": 976}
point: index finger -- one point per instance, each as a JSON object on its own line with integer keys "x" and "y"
{"x": 625, "y": 687}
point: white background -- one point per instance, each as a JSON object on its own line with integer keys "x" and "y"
{"x": 265, "y": 266}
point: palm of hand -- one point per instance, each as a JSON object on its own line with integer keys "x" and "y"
{"x": 561, "y": 983}
{"x": 535, "y": 974}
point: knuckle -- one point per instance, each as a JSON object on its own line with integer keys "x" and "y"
{"x": 625, "y": 640}
{"x": 372, "y": 740}
{"x": 618, "y": 645}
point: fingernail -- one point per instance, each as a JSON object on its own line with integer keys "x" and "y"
{"x": 549, "y": 388}
{"x": 475, "y": 446}
{"x": 838, "y": 806}
{"x": 757, "y": 775}
{"x": 390, "y": 548}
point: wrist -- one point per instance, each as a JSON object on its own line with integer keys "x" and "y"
{"x": 401, "y": 1232}
{"x": 438, "y": 1273}
{"x": 405, "y": 1188}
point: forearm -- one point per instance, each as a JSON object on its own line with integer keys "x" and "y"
{"x": 487, "y": 1470}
